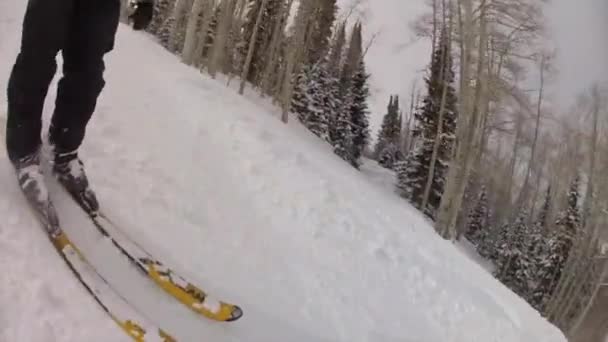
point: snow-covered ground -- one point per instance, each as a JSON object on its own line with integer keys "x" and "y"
{"x": 259, "y": 213}
{"x": 386, "y": 180}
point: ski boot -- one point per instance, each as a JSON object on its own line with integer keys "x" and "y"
{"x": 31, "y": 182}
{"x": 69, "y": 171}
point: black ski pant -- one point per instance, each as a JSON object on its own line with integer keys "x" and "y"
{"x": 84, "y": 31}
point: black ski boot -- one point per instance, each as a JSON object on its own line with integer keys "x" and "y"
{"x": 31, "y": 181}
{"x": 69, "y": 170}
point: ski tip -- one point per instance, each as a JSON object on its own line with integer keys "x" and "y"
{"x": 237, "y": 313}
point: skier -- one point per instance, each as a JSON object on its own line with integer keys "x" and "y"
{"x": 84, "y": 31}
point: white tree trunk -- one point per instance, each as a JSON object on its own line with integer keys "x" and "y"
{"x": 294, "y": 55}
{"x": 273, "y": 50}
{"x": 523, "y": 194}
{"x": 251, "y": 49}
{"x": 221, "y": 37}
{"x": 190, "y": 42}
{"x": 446, "y": 51}
{"x": 179, "y": 12}
{"x": 468, "y": 127}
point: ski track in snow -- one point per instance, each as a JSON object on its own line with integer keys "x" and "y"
{"x": 257, "y": 213}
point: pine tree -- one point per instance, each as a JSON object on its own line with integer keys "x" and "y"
{"x": 162, "y": 11}
{"x": 339, "y": 120}
{"x": 478, "y": 218}
{"x": 513, "y": 267}
{"x": 413, "y": 182}
{"x": 358, "y": 112}
{"x": 544, "y": 211}
{"x": 353, "y": 56}
{"x": 301, "y": 100}
{"x": 558, "y": 246}
{"x": 211, "y": 32}
{"x": 337, "y": 51}
{"x": 341, "y": 134}
{"x": 499, "y": 244}
{"x": 311, "y": 100}
{"x": 387, "y": 150}
{"x": 164, "y": 32}
{"x": 323, "y": 19}
{"x": 538, "y": 252}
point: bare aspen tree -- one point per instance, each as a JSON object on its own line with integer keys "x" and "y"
{"x": 201, "y": 54}
{"x": 297, "y": 47}
{"x": 468, "y": 130}
{"x": 179, "y": 14}
{"x": 595, "y": 98}
{"x": 251, "y": 48}
{"x": 407, "y": 123}
{"x": 579, "y": 274}
{"x": 580, "y": 271}
{"x": 446, "y": 51}
{"x": 603, "y": 261}
{"x": 221, "y": 37}
{"x": 274, "y": 48}
{"x": 524, "y": 192}
{"x": 193, "y": 23}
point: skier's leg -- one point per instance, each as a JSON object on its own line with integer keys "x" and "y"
{"x": 91, "y": 37}
{"x": 44, "y": 32}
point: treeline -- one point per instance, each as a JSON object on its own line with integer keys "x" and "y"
{"x": 309, "y": 63}
{"x": 495, "y": 163}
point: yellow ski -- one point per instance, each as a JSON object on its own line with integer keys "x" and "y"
{"x": 173, "y": 284}
{"x": 130, "y": 321}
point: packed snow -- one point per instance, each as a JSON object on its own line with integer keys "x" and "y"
{"x": 259, "y": 213}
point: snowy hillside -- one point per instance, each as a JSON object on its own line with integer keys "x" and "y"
{"x": 259, "y": 213}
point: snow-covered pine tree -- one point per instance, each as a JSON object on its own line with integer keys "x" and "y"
{"x": 413, "y": 182}
{"x": 342, "y": 136}
{"x": 311, "y": 100}
{"x": 358, "y": 112}
{"x": 513, "y": 263}
{"x": 334, "y": 64}
{"x": 477, "y": 229}
{"x": 354, "y": 53}
{"x": 301, "y": 100}
{"x": 337, "y": 51}
{"x": 558, "y": 245}
{"x": 543, "y": 214}
{"x": 387, "y": 151}
{"x": 164, "y": 32}
{"x": 211, "y": 28}
{"x": 330, "y": 103}
{"x": 323, "y": 19}
{"x": 537, "y": 252}
{"x": 162, "y": 11}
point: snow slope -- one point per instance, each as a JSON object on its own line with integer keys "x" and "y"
{"x": 258, "y": 213}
